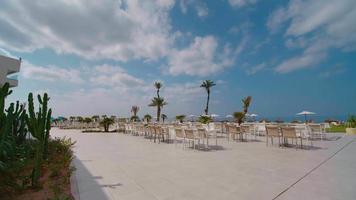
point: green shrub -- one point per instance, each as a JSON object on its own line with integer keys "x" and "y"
{"x": 351, "y": 122}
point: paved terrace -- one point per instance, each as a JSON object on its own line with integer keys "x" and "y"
{"x": 123, "y": 167}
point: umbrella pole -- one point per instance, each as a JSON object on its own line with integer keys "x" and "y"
{"x": 305, "y": 117}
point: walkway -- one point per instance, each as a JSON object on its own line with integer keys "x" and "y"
{"x": 123, "y": 167}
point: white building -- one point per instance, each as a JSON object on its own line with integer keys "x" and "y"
{"x": 8, "y": 66}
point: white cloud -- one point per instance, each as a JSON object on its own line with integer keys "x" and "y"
{"x": 118, "y": 30}
{"x": 276, "y": 19}
{"x": 183, "y": 6}
{"x": 299, "y": 62}
{"x": 241, "y": 3}
{"x": 50, "y": 73}
{"x": 87, "y": 102}
{"x": 199, "y": 6}
{"x": 333, "y": 71}
{"x": 114, "y": 76}
{"x": 255, "y": 69}
{"x": 200, "y": 58}
{"x": 186, "y": 92}
{"x": 243, "y": 28}
{"x": 182, "y": 98}
{"x": 316, "y": 27}
{"x": 202, "y": 10}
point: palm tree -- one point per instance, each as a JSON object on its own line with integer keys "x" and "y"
{"x": 134, "y": 111}
{"x": 158, "y": 86}
{"x": 80, "y": 119}
{"x": 207, "y": 84}
{"x": 164, "y": 117}
{"x": 180, "y": 118}
{"x": 246, "y": 103}
{"x": 87, "y": 120}
{"x": 159, "y": 103}
{"x": 240, "y": 116}
{"x": 106, "y": 122}
{"x": 147, "y": 117}
{"x": 71, "y": 118}
{"x": 95, "y": 118}
{"x": 134, "y": 118}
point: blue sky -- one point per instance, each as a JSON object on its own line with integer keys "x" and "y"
{"x": 102, "y": 57}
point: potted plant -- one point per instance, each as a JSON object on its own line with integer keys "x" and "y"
{"x": 180, "y": 118}
{"x": 351, "y": 125}
{"x": 205, "y": 119}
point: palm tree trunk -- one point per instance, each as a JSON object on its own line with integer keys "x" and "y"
{"x": 207, "y": 104}
{"x": 158, "y": 113}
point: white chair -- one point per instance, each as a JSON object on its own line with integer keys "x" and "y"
{"x": 203, "y": 135}
{"x": 179, "y": 136}
{"x": 316, "y": 131}
{"x": 291, "y": 133}
{"x": 272, "y": 132}
{"x": 190, "y": 137}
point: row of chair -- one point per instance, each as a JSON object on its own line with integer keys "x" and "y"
{"x": 283, "y": 134}
{"x": 196, "y": 133}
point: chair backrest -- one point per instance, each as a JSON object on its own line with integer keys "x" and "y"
{"x": 234, "y": 129}
{"x": 289, "y": 132}
{"x": 218, "y": 126}
{"x": 189, "y": 133}
{"x": 152, "y": 129}
{"x": 283, "y": 125}
{"x": 179, "y": 133}
{"x": 272, "y": 130}
{"x": 198, "y": 126}
{"x": 165, "y": 129}
{"x": 202, "y": 133}
{"x": 315, "y": 128}
{"x": 226, "y": 125}
{"x": 158, "y": 130}
{"x": 245, "y": 128}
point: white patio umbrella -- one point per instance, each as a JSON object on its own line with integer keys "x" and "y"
{"x": 191, "y": 117}
{"x": 253, "y": 116}
{"x": 214, "y": 115}
{"x": 305, "y": 113}
{"x": 229, "y": 117}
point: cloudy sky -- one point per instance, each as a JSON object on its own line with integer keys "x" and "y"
{"x": 102, "y": 57}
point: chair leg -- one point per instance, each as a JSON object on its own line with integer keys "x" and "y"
{"x": 296, "y": 143}
{"x": 301, "y": 143}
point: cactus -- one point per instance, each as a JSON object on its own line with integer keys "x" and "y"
{"x": 39, "y": 125}
{"x": 19, "y": 129}
{"x": 14, "y": 126}
{"x": 7, "y": 147}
